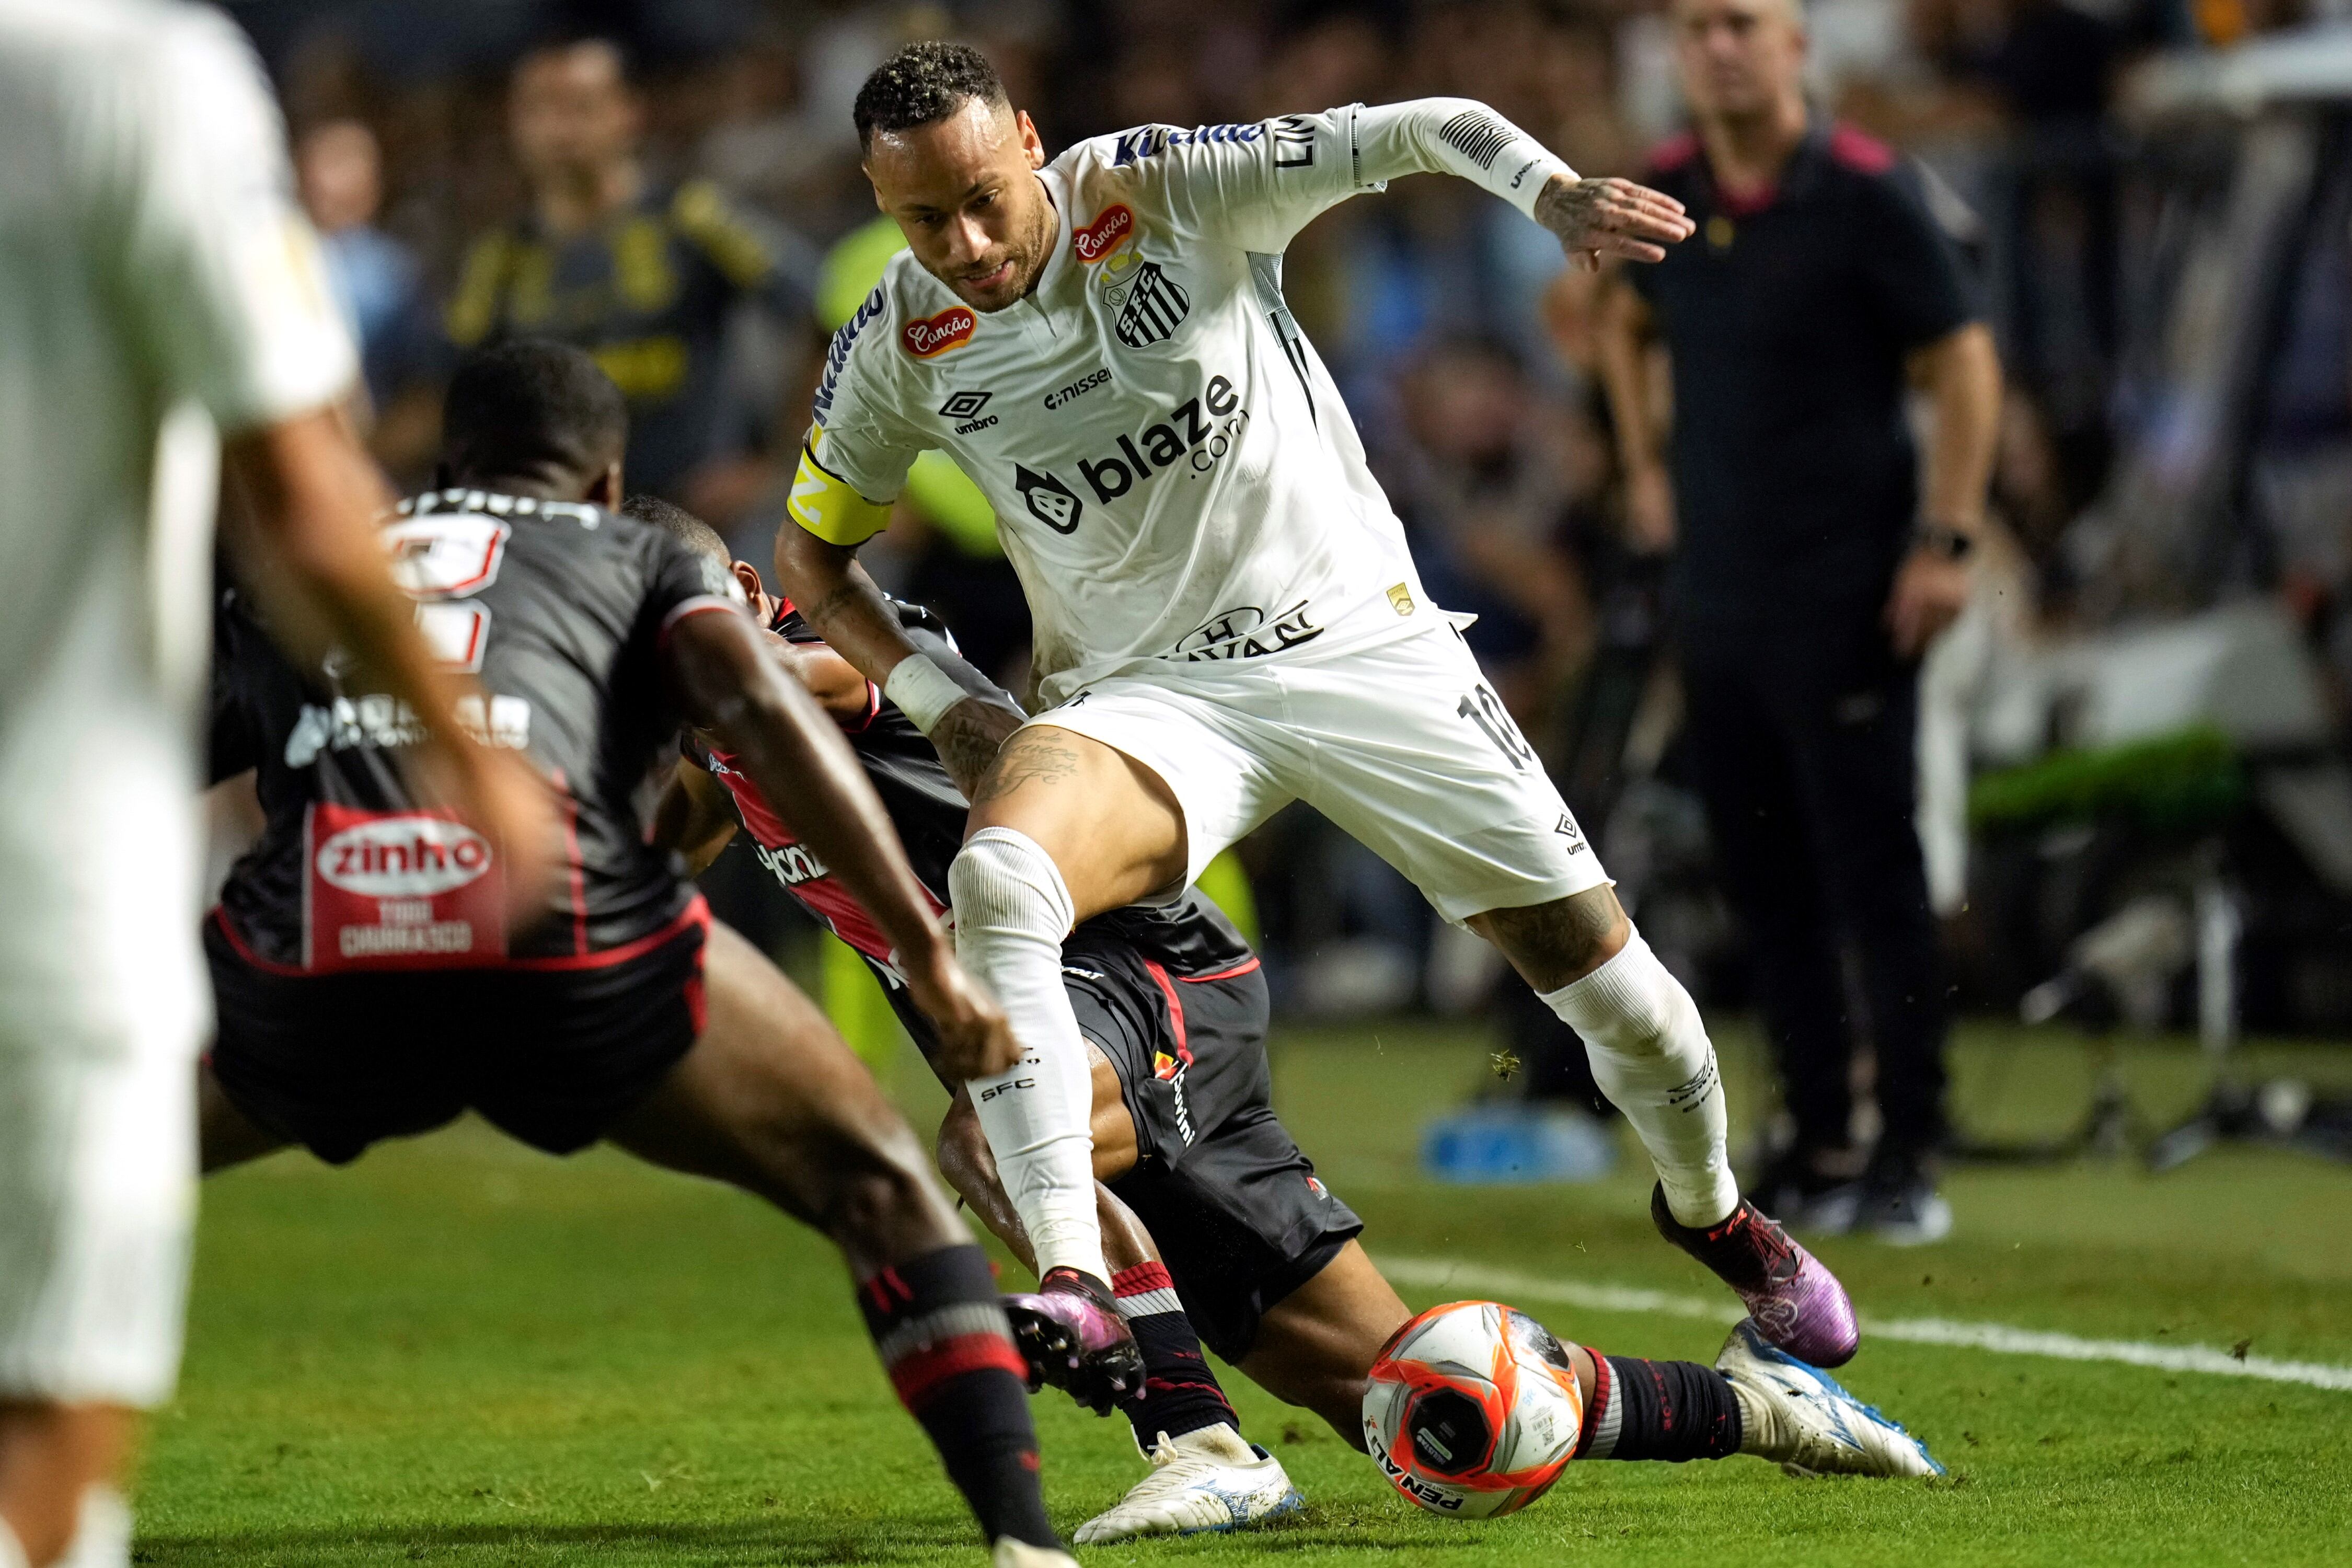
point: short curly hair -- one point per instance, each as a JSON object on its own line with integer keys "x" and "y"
{"x": 922, "y": 84}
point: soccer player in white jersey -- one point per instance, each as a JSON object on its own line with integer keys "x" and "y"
{"x": 1227, "y": 618}
{"x": 155, "y": 263}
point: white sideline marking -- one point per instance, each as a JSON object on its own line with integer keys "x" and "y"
{"x": 1998, "y": 1337}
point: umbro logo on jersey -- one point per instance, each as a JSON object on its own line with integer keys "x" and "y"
{"x": 1155, "y": 307}
{"x": 1567, "y": 829}
{"x": 1049, "y": 500}
{"x": 935, "y": 335}
{"x": 965, "y": 406}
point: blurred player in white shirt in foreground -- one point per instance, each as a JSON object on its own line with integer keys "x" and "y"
{"x": 157, "y": 275}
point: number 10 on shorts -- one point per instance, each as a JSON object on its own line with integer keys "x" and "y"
{"x": 1484, "y": 709}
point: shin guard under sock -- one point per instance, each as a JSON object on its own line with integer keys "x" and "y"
{"x": 1011, "y": 911}
{"x": 1651, "y": 1056}
{"x": 1670, "y": 1410}
{"x": 939, "y": 1327}
{"x": 1181, "y": 1394}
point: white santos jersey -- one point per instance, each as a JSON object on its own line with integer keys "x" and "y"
{"x": 1174, "y": 474}
{"x": 155, "y": 273}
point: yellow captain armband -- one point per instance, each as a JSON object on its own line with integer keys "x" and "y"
{"x": 830, "y": 506}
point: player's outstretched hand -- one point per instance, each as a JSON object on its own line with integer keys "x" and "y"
{"x": 975, "y": 1038}
{"x": 1598, "y": 217}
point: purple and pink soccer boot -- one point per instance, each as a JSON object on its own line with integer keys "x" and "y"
{"x": 1796, "y": 1302}
{"x": 1070, "y": 1332}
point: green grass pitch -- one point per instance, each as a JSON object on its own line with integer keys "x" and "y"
{"x": 459, "y": 1352}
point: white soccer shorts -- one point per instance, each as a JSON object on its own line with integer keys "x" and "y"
{"x": 1404, "y": 745}
{"x": 97, "y": 1198}
{"x": 103, "y": 1008}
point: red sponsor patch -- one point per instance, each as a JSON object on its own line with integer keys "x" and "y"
{"x": 935, "y": 335}
{"x": 399, "y": 889}
{"x": 1100, "y": 238}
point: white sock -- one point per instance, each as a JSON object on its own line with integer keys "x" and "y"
{"x": 103, "y": 1538}
{"x": 1012, "y": 911}
{"x": 1652, "y": 1058}
{"x": 12, "y": 1551}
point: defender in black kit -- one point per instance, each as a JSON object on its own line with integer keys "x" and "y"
{"x": 369, "y": 986}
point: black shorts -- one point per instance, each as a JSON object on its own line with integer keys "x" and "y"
{"x": 552, "y": 1052}
{"x": 1240, "y": 1216}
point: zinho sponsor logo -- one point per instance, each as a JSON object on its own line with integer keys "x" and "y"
{"x": 404, "y": 857}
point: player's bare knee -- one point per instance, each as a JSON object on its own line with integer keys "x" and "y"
{"x": 882, "y": 1202}
{"x": 1560, "y": 943}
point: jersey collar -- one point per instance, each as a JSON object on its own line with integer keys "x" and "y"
{"x": 1796, "y": 179}
{"x": 1058, "y": 260}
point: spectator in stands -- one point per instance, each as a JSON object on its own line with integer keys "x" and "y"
{"x": 644, "y": 276}
{"x": 1484, "y": 485}
{"x": 338, "y": 171}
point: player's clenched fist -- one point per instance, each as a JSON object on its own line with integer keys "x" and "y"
{"x": 975, "y": 1039}
{"x": 1598, "y": 217}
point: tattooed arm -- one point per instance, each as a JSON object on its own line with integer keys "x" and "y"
{"x": 842, "y": 605}
{"x": 970, "y": 735}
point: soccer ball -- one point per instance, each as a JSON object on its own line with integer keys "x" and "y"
{"x": 1472, "y": 1410}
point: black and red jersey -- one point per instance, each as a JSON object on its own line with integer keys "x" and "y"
{"x": 1190, "y": 939}
{"x": 558, "y": 611}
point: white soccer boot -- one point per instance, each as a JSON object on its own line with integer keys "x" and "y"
{"x": 1011, "y": 1554}
{"x": 1208, "y": 1479}
{"x": 1797, "y": 1414}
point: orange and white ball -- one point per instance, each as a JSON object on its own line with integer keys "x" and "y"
{"x": 1472, "y": 1410}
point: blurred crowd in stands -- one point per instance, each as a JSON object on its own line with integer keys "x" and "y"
{"x": 684, "y": 199}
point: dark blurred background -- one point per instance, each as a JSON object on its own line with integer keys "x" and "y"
{"x": 2142, "y": 720}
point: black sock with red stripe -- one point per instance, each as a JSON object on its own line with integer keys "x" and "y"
{"x": 939, "y": 1325}
{"x": 1181, "y": 1394}
{"x": 1670, "y": 1410}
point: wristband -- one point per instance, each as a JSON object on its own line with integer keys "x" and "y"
{"x": 923, "y": 692}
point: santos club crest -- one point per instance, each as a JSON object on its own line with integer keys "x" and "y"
{"x": 1154, "y": 307}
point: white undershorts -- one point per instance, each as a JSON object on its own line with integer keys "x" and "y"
{"x": 1403, "y": 744}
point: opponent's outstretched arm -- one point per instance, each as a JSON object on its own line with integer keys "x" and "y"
{"x": 794, "y": 753}
{"x": 965, "y": 714}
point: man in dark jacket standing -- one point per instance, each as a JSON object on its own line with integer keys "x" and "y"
{"x": 1818, "y": 557}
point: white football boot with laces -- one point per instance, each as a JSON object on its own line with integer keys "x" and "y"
{"x": 1797, "y": 1414}
{"x": 1208, "y": 1479}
